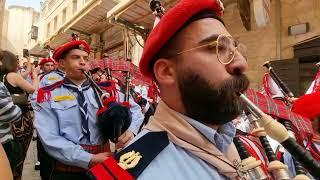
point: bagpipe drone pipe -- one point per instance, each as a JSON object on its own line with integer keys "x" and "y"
{"x": 278, "y": 132}
{"x": 288, "y": 93}
{"x": 274, "y": 166}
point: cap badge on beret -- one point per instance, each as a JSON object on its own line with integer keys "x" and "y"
{"x": 81, "y": 47}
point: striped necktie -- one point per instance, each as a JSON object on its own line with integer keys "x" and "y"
{"x": 83, "y": 104}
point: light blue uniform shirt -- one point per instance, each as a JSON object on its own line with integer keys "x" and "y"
{"x": 177, "y": 163}
{"x": 59, "y": 126}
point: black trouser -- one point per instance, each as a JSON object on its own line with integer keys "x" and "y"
{"x": 46, "y": 162}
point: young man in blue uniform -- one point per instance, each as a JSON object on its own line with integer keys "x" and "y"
{"x": 65, "y": 117}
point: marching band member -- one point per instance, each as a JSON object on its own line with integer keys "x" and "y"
{"x": 47, "y": 65}
{"x": 53, "y": 76}
{"x": 65, "y": 118}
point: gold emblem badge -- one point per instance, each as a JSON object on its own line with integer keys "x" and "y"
{"x": 129, "y": 160}
{"x": 53, "y": 78}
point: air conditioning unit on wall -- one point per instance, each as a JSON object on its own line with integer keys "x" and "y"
{"x": 298, "y": 29}
{"x": 34, "y": 32}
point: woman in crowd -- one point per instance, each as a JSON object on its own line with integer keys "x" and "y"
{"x": 19, "y": 89}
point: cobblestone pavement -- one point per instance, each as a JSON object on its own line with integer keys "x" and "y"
{"x": 28, "y": 170}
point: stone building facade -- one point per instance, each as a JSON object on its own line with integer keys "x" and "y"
{"x": 273, "y": 42}
{"x": 17, "y": 23}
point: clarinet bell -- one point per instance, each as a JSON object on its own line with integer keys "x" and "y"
{"x": 114, "y": 121}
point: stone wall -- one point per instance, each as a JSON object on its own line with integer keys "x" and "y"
{"x": 262, "y": 42}
{"x": 20, "y": 20}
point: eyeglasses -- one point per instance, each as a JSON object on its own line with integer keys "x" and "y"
{"x": 225, "y": 48}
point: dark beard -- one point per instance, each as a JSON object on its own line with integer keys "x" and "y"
{"x": 208, "y": 104}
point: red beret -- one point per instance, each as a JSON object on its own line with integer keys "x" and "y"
{"x": 308, "y": 105}
{"x": 78, "y": 44}
{"x": 169, "y": 24}
{"x": 46, "y": 60}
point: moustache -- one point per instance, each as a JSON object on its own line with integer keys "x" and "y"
{"x": 235, "y": 84}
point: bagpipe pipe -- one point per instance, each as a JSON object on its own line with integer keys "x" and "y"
{"x": 249, "y": 164}
{"x": 113, "y": 118}
{"x": 283, "y": 87}
{"x": 275, "y": 167}
{"x": 278, "y": 132}
{"x": 287, "y": 124}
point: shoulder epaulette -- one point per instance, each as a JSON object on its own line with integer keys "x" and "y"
{"x": 44, "y": 93}
{"x": 129, "y": 163}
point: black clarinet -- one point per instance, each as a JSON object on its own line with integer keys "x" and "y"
{"x": 255, "y": 173}
{"x": 277, "y": 80}
{"x": 273, "y": 161}
{"x": 278, "y": 132}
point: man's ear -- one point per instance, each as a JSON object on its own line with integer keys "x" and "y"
{"x": 165, "y": 71}
{"x": 62, "y": 63}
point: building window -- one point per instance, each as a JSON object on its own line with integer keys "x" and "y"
{"x": 64, "y": 15}
{"x": 74, "y": 6}
{"x": 55, "y": 22}
{"x": 48, "y": 29}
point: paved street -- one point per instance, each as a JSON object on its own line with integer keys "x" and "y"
{"x": 28, "y": 172}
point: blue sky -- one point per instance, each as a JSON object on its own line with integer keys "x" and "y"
{"x": 35, "y": 4}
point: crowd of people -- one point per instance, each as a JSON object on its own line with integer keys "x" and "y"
{"x": 90, "y": 125}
